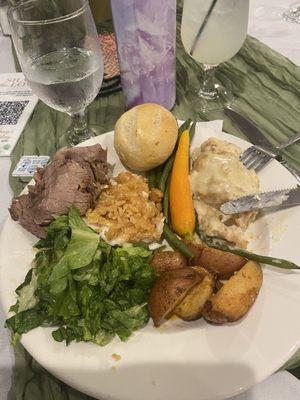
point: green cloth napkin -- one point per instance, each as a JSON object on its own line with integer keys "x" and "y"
{"x": 266, "y": 86}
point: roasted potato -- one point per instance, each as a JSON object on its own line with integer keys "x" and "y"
{"x": 236, "y": 296}
{"x": 197, "y": 249}
{"x": 190, "y": 308}
{"x": 168, "y": 291}
{"x": 221, "y": 263}
{"x": 168, "y": 260}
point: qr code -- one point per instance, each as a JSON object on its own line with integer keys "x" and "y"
{"x": 10, "y": 111}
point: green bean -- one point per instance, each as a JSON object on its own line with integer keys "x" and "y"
{"x": 159, "y": 171}
{"x": 176, "y": 243}
{"x": 184, "y": 126}
{"x": 166, "y": 173}
{"x": 221, "y": 245}
{"x": 151, "y": 176}
{"x": 192, "y": 131}
{"x": 157, "y": 177}
{"x": 166, "y": 201}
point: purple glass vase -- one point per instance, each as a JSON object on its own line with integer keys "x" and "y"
{"x": 146, "y": 39}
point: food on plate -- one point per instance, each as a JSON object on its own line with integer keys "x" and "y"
{"x": 168, "y": 291}
{"x": 218, "y": 176}
{"x": 73, "y": 177}
{"x": 196, "y": 248}
{"x": 86, "y": 289}
{"x": 236, "y": 296}
{"x": 127, "y": 211}
{"x": 145, "y": 136}
{"x": 159, "y": 177}
{"x": 95, "y": 277}
{"x": 221, "y": 263}
{"x": 181, "y": 202}
{"x": 220, "y": 244}
{"x": 167, "y": 260}
{"x": 217, "y": 173}
{"x": 190, "y": 308}
{"x": 176, "y": 243}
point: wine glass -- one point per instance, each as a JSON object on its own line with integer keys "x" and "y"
{"x": 212, "y": 32}
{"x": 293, "y": 14}
{"x": 59, "y": 52}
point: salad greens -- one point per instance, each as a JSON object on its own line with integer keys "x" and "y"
{"x": 86, "y": 288}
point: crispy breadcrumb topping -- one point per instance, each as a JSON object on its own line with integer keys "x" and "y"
{"x": 128, "y": 211}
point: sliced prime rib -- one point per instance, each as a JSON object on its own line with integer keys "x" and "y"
{"x": 71, "y": 178}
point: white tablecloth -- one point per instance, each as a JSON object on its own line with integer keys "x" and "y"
{"x": 266, "y": 24}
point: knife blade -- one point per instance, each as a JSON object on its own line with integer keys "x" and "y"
{"x": 250, "y": 130}
{"x": 277, "y": 198}
{"x": 257, "y": 138}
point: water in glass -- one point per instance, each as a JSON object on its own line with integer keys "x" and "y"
{"x": 59, "y": 52}
{"x": 67, "y": 79}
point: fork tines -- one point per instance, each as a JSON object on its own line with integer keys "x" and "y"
{"x": 252, "y": 158}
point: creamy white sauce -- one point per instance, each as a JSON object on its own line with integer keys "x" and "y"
{"x": 218, "y": 176}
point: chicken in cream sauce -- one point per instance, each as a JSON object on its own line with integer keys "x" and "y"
{"x": 217, "y": 176}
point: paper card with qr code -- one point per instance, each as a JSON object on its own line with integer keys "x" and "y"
{"x": 17, "y": 102}
{"x": 27, "y": 165}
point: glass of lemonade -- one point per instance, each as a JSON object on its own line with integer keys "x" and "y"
{"x": 59, "y": 52}
{"x": 212, "y": 32}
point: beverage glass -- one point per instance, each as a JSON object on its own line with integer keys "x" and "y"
{"x": 212, "y": 32}
{"x": 293, "y": 14}
{"x": 59, "y": 52}
{"x": 146, "y": 40}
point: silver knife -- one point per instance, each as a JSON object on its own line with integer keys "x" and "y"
{"x": 256, "y": 137}
{"x": 277, "y": 198}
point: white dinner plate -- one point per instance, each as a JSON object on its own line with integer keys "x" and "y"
{"x": 179, "y": 360}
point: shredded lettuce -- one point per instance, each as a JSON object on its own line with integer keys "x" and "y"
{"x": 87, "y": 289}
{"x": 27, "y": 298}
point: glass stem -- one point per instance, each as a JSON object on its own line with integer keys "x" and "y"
{"x": 79, "y": 130}
{"x": 207, "y": 89}
{"x": 79, "y": 123}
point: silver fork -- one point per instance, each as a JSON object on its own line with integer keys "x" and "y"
{"x": 256, "y": 157}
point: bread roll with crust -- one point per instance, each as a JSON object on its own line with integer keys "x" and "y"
{"x": 145, "y": 136}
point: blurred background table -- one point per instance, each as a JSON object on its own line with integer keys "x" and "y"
{"x": 267, "y": 25}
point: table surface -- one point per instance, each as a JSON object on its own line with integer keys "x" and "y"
{"x": 267, "y": 25}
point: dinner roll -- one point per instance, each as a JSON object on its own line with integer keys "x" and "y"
{"x": 145, "y": 136}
